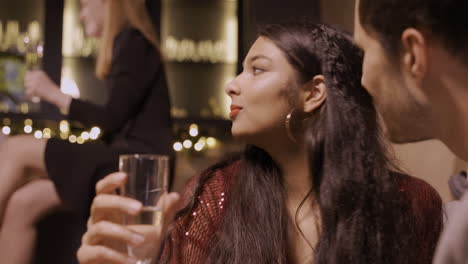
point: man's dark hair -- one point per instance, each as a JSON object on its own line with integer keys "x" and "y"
{"x": 443, "y": 20}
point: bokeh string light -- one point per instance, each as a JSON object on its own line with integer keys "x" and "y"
{"x": 190, "y": 139}
{"x": 49, "y": 129}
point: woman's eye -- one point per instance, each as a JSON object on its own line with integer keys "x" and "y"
{"x": 257, "y": 70}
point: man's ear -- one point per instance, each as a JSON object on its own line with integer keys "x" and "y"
{"x": 414, "y": 52}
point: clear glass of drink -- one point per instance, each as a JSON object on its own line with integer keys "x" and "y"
{"x": 33, "y": 61}
{"x": 147, "y": 182}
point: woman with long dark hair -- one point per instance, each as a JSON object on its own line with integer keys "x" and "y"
{"x": 314, "y": 185}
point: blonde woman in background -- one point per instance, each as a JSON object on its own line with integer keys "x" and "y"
{"x": 136, "y": 119}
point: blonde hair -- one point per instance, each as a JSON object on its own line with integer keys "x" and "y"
{"x": 120, "y": 13}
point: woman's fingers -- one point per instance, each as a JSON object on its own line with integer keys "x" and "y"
{"x": 29, "y": 91}
{"x": 111, "y": 183}
{"x": 108, "y": 206}
{"x": 29, "y": 77}
{"x": 106, "y": 231}
{"x": 29, "y": 84}
{"x": 106, "y": 242}
{"x": 105, "y": 239}
{"x": 99, "y": 255}
{"x": 105, "y": 235}
{"x": 32, "y": 78}
{"x": 171, "y": 206}
{"x": 156, "y": 235}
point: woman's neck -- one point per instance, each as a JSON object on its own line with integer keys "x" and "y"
{"x": 303, "y": 230}
{"x": 293, "y": 162}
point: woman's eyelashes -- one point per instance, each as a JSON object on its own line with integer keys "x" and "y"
{"x": 257, "y": 70}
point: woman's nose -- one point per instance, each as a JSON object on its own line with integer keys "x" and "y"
{"x": 232, "y": 88}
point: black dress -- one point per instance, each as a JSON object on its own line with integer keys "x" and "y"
{"x": 136, "y": 119}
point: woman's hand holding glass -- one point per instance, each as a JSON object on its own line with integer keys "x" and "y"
{"x": 38, "y": 84}
{"x": 106, "y": 239}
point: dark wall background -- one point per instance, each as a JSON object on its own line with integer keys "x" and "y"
{"x": 52, "y": 62}
{"x": 257, "y": 12}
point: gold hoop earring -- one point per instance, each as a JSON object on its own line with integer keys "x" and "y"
{"x": 294, "y": 123}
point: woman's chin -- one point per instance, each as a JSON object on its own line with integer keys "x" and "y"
{"x": 93, "y": 32}
{"x": 239, "y": 134}
{"x": 246, "y": 138}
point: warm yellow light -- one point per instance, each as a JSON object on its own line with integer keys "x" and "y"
{"x": 34, "y": 31}
{"x": 4, "y": 107}
{"x": 6, "y": 121}
{"x": 94, "y": 134}
{"x": 63, "y": 135}
{"x": 187, "y": 143}
{"x": 64, "y": 126}
{"x": 211, "y": 142}
{"x": 6, "y": 130}
{"x": 96, "y": 130}
{"x": 11, "y": 33}
{"x": 24, "y": 108}
{"x": 199, "y": 146}
{"x": 193, "y": 130}
{"x": 38, "y": 134}
{"x": 72, "y": 138}
{"x": 27, "y": 129}
{"x": 28, "y": 122}
{"x": 80, "y": 140}
{"x": 178, "y": 146}
{"x": 47, "y": 133}
{"x": 202, "y": 141}
{"x": 85, "y": 135}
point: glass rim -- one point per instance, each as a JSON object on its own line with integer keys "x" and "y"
{"x": 144, "y": 156}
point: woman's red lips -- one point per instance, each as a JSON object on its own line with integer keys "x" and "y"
{"x": 235, "y": 109}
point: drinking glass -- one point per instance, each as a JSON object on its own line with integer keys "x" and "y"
{"x": 147, "y": 182}
{"x": 1, "y": 36}
{"x": 33, "y": 59}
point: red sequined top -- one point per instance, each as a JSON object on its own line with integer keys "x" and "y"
{"x": 194, "y": 234}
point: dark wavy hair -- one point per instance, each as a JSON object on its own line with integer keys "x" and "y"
{"x": 444, "y": 20}
{"x": 361, "y": 211}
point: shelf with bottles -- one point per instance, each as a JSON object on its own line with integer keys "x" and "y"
{"x": 19, "y": 52}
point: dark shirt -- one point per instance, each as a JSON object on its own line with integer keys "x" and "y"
{"x": 138, "y": 108}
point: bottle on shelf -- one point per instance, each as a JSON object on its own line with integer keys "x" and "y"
{"x": 19, "y": 52}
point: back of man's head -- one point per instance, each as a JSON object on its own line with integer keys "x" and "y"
{"x": 441, "y": 20}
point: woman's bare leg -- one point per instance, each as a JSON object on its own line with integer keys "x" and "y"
{"x": 18, "y": 155}
{"x": 25, "y": 208}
